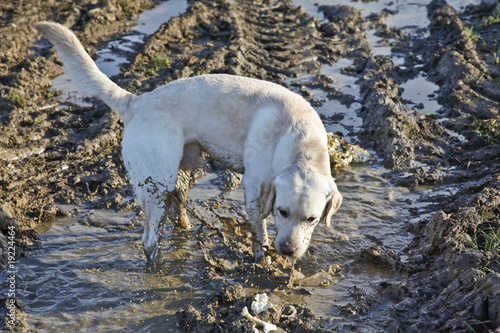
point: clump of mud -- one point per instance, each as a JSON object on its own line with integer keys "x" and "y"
{"x": 343, "y": 153}
{"x": 224, "y": 312}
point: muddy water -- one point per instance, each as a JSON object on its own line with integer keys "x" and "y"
{"x": 411, "y": 17}
{"x": 90, "y": 273}
{"x": 93, "y": 276}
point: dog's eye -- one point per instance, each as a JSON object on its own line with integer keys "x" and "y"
{"x": 283, "y": 212}
{"x": 311, "y": 219}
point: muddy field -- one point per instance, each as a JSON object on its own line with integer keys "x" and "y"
{"x": 56, "y": 154}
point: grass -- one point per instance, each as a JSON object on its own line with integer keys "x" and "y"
{"x": 496, "y": 59}
{"x": 127, "y": 7}
{"x": 494, "y": 18}
{"x": 486, "y": 240}
{"x": 412, "y": 130}
{"x": 197, "y": 71}
{"x": 474, "y": 36}
{"x": 49, "y": 94}
{"x": 155, "y": 65}
{"x": 19, "y": 100}
{"x": 485, "y": 269}
{"x": 27, "y": 122}
{"x": 158, "y": 62}
{"x": 488, "y": 131}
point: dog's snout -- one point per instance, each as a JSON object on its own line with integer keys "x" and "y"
{"x": 287, "y": 249}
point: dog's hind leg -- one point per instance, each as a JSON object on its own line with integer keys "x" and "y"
{"x": 154, "y": 219}
{"x": 192, "y": 159}
{"x": 179, "y": 216}
{"x": 152, "y": 164}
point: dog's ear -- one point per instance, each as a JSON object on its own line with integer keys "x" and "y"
{"x": 332, "y": 205}
{"x": 267, "y": 196}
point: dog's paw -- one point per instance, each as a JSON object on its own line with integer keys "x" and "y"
{"x": 266, "y": 261}
{"x": 261, "y": 254}
{"x": 263, "y": 259}
{"x": 152, "y": 253}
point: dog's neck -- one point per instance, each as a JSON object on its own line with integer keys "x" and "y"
{"x": 314, "y": 160}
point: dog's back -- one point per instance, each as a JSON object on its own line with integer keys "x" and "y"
{"x": 219, "y": 110}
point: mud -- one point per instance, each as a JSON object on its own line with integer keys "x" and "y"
{"x": 54, "y": 152}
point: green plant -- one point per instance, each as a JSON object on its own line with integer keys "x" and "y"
{"x": 157, "y": 62}
{"x": 486, "y": 240}
{"x": 27, "y": 122}
{"x": 488, "y": 131}
{"x": 50, "y": 94}
{"x": 20, "y": 100}
{"x": 496, "y": 59}
{"x": 154, "y": 64}
{"x": 127, "y": 7}
{"x": 484, "y": 269}
{"x": 412, "y": 130}
{"x": 494, "y": 18}
{"x": 487, "y": 235}
{"x": 197, "y": 71}
{"x": 472, "y": 34}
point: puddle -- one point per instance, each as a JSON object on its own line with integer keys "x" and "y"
{"x": 337, "y": 117}
{"x": 92, "y": 277}
{"x": 410, "y": 15}
{"x": 115, "y": 52}
{"x": 377, "y": 49}
{"x": 460, "y": 5}
{"x": 346, "y": 83}
{"x": 423, "y": 93}
{"x": 91, "y": 274}
{"x": 381, "y": 47}
{"x": 373, "y": 215}
{"x": 459, "y": 136}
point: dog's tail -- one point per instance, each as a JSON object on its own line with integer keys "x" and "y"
{"x": 83, "y": 70}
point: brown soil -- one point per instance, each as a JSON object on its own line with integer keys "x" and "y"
{"x": 54, "y": 153}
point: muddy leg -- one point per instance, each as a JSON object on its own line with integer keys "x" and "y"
{"x": 181, "y": 192}
{"x": 154, "y": 219}
{"x": 258, "y": 225}
{"x": 153, "y": 170}
{"x": 260, "y": 240}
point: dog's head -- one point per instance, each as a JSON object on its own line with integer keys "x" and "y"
{"x": 298, "y": 202}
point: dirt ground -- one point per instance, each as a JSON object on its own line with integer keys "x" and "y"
{"x": 54, "y": 153}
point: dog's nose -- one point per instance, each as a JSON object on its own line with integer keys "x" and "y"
{"x": 287, "y": 249}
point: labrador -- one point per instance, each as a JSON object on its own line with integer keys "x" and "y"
{"x": 262, "y": 129}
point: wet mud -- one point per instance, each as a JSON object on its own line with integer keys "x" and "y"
{"x": 55, "y": 153}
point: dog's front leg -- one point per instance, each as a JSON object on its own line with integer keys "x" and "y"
{"x": 259, "y": 229}
{"x": 258, "y": 225}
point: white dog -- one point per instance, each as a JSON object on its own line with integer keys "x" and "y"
{"x": 262, "y": 129}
